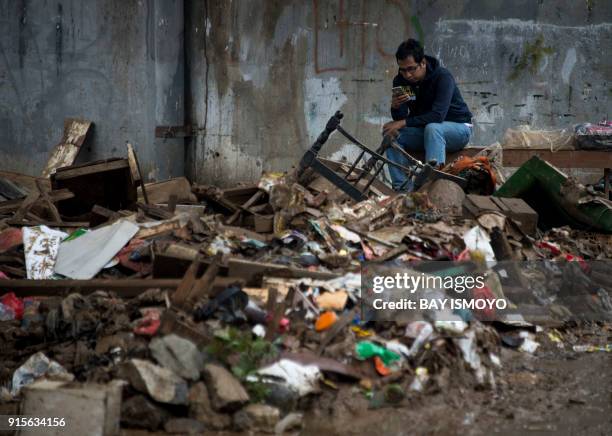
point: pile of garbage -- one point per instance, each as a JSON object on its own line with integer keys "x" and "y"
{"x": 191, "y": 308}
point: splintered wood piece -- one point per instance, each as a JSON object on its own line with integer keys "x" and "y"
{"x": 245, "y": 207}
{"x": 25, "y": 206}
{"x": 180, "y": 297}
{"x": 204, "y": 285}
{"x": 135, "y": 171}
{"x": 172, "y": 203}
{"x": 48, "y": 202}
{"x": 344, "y": 321}
{"x": 65, "y": 153}
{"x": 155, "y": 211}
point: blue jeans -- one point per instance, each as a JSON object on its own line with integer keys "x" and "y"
{"x": 434, "y": 138}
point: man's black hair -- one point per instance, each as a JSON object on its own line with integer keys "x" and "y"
{"x": 410, "y": 47}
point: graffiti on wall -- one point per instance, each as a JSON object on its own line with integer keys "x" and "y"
{"x": 354, "y": 37}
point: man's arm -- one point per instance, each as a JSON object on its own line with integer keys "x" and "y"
{"x": 399, "y": 113}
{"x": 444, "y": 93}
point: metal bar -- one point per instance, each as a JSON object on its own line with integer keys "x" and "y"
{"x": 331, "y": 175}
{"x": 370, "y": 151}
{"x": 354, "y": 164}
{"x": 373, "y": 178}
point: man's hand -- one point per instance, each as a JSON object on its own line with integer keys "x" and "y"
{"x": 392, "y": 127}
{"x": 398, "y": 100}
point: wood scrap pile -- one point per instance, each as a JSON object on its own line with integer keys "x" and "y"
{"x": 225, "y": 308}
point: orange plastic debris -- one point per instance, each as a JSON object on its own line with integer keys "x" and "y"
{"x": 325, "y": 321}
{"x": 380, "y": 367}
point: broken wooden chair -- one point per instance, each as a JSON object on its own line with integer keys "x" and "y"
{"x": 355, "y": 182}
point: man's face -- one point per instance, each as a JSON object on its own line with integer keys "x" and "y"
{"x": 410, "y": 70}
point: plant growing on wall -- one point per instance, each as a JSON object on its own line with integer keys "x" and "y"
{"x": 530, "y": 59}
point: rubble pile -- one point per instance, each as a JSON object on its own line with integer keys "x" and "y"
{"x": 194, "y": 308}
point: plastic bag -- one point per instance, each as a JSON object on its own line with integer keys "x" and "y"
{"x": 524, "y": 137}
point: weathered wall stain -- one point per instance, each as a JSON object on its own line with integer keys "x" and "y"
{"x": 264, "y": 75}
{"x": 109, "y": 61}
{"x": 270, "y": 103}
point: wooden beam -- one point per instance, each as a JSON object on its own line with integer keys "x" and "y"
{"x": 92, "y": 168}
{"x": 126, "y": 288}
{"x": 135, "y": 171}
{"x": 515, "y": 157}
{"x": 65, "y": 153}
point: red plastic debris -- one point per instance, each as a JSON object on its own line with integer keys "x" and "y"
{"x": 380, "y": 366}
{"x": 553, "y": 248}
{"x": 488, "y": 313}
{"x": 283, "y": 324}
{"x": 580, "y": 260}
{"x": 10, "y": 238}
{"x": 126, "y": 252}
{"x": 149, "y": 323}
{"x": 11, "y": 301}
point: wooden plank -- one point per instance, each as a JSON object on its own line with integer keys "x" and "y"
{"x": 515, "y": 157}
{"x": 26, "y": 205}
{"x": 245, "y": 207}
{"x": 181, "y": 296}
{"x": 25, "y": 181}
{"x": 41, "y": 222}
{"x": 561, "y": 159}
{"x": 57, "y": 195}
{"x": 203, "y": 286}
{"x": 11, "y": 190}
{"x": 135, "y": 171}
{"x": 248, "y": 270}
{"x": 46, "y": 199}
{"x": 160, "y": 192}
{"x": 83, "y": 170}
{"x": 65, "y": 153}
{"x": 126, "y": 288}
{"x": 155, "y": 211}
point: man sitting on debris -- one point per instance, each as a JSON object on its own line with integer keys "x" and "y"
{"x": 427, "y": 108}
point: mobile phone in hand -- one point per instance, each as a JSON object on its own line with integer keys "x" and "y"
{"x": 398, "y": 91}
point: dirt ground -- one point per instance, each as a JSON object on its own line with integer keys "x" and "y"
{"x": 555, "y": 391}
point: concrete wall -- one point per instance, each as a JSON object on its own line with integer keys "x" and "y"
{"x": 266, "y": 75}
{"x": 118, "y": 63}
{"x": 261, "y": 77}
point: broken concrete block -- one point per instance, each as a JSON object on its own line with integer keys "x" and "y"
{"x": 257, "y": 417}
{"x": 139, "y": 412}
{"x": 184, "y": 426}
{"x": 226, "y": 393}
{"x": 201, "y": 409}
{"x": 446, "y": 195}
{"x": 179, "y": 355}
{"x": 159, "y": 383}
{"x": 92, "y": 409}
